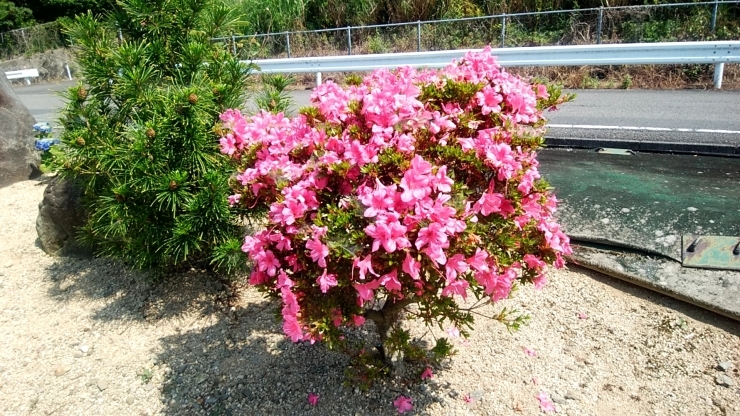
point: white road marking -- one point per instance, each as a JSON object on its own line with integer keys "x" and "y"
{"x": 598, "y": 127}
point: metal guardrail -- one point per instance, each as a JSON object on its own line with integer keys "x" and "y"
{"x": 717, "y": 53}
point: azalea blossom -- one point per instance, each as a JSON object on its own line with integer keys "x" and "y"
{"x": 403, "y": 404}
{"x": 313, "y": 399}
{"x": 546, "y": 404}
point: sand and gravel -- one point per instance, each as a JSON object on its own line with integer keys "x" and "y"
{"x": 90, "y": 337}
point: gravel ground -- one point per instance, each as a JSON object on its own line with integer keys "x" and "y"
{"x": 89, "y": 337}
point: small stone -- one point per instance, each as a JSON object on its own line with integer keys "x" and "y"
{"x": 476, "y": 394}
{"x": 692, "y": 209}
{"x": 625, "y": 210}
{"x": 724, "y": 380}
{"x": 571, "y": 395}
{"x": 78, "y": 355}
{"x": 726, "y": 366}
{"x": 60, "y": 371}
{"x": 130, "y": 400}
{"x": 558, "y": 398}
{"x": 210, "y": 400}
{"x": 102, "y": 384}
{"x": 84, "y": 349}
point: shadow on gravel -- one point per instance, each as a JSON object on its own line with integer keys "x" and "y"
{"x": 685, "y": 308}
{"x": 226, "y": 360}
{"x": 130, "y": 294}
{"x": 243, "y": 365}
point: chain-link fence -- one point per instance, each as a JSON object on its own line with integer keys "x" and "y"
{"x": 718, "y": 20}
{"x": 30, "y": 40}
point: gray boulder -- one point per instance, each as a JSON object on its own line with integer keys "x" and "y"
{"x": 60, "y": 215}
{"x": 19, "y": 160}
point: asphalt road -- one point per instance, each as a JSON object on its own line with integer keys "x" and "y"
{"x": 685, "y": 116}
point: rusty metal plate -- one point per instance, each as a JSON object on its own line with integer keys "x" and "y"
{"x": 711, "y": 252}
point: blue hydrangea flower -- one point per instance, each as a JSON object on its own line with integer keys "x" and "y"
{"x": 43, "y": 127}
{"x": 44, "y": 145}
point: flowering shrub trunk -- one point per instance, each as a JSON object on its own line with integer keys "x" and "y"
{"x": 410, "y": 187}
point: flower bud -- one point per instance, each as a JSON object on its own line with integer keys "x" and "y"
{"x": 150, "y": 133}
{"x": 80, "y": 141}
{"x": 82, "y": 94}
{"x": 192, "y": 98}
{"x": 173, "y": 185}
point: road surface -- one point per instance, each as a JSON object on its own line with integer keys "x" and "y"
{"x": 684, "y": 116}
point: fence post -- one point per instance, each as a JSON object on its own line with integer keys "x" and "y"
{"x": 598, "y": 26}
{"x": 718, "y": 72}
{"x": 503, "y": 30}
{"x": 287, "y": 41}
{"x": 349, "y": 40}
{"x": 318, "y": 79}
{"x": 69, "y": 74}
{"x": 714, "y": 18}
{"x": 233, "y": 44}
{"x": 418, "y": 36}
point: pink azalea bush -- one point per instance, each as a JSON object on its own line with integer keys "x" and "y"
{"x": 410, "y": 187}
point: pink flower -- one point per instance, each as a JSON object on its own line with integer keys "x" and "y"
{"x": 546, "y": 404}
{"x": 313, "y": 399}
{"x": 533, "y": 262}
{"x": 365, "y": 291}
{"x": 453, "y": 332}
{"x": 403, "y": 404}
{"x": 326, "y": 281}
{"x": 234, "y": 199}
{"x": 364, "y": 266}
{"x": 458, "y": 287}
{"x": 390, "y": 280}
{"x": 391, "y": 235}
{"x": 228, "y": 144}
{"x": 416, "y": 180}
{"x": 542, "y": 91}
{"x": 427, "y": 373}
{"x": 582, "y": 315}
{"x": 318, "y": 251}
{"x": 358, "y": 320}
{"x": 529, "y": 352}
{"x": 292, "y": 328}
{"x": 411, "y": 266}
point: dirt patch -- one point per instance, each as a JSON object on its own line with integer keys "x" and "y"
{"x": 84, "y": 336}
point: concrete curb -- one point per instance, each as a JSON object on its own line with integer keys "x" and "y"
{"x": 715, "y": 290}
{"x": 646, "y": 146}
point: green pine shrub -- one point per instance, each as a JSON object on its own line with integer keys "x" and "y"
{"x": 138, "y": 133}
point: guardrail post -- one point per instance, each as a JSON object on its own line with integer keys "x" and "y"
{"x": 287, "y": 42}
{"x": 318, "y": 79}
{"x": 349, "y": 40}
{"x": 714, "y": 15}
{"x": 503, "y": 30}
{"x": 233, "y": 44}
{"x": 418, "y": 36}
{"x": 598, "y": 25}
{"x": 69, "y": 74}
{"x": 718, "y": 72}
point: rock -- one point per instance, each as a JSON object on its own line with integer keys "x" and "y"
{"x": 571, "y": 395}
{"x": 60, "y": 214}
{"x": 724, "y": 380}
{"x": 60, "y": 371}
{"x": 84, "y": 349}
{"x": 102, "y": 384}
{"x": 558, "y": 398}
{"x": 19, "y": 160}
{"x": 130, "y": 400}
{"x": 725, "y": 366}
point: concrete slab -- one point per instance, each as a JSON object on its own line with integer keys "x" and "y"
{"x": 716, "y": 290}
{"x": 626, "y": 215}
{"x": 644, "y": 201}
